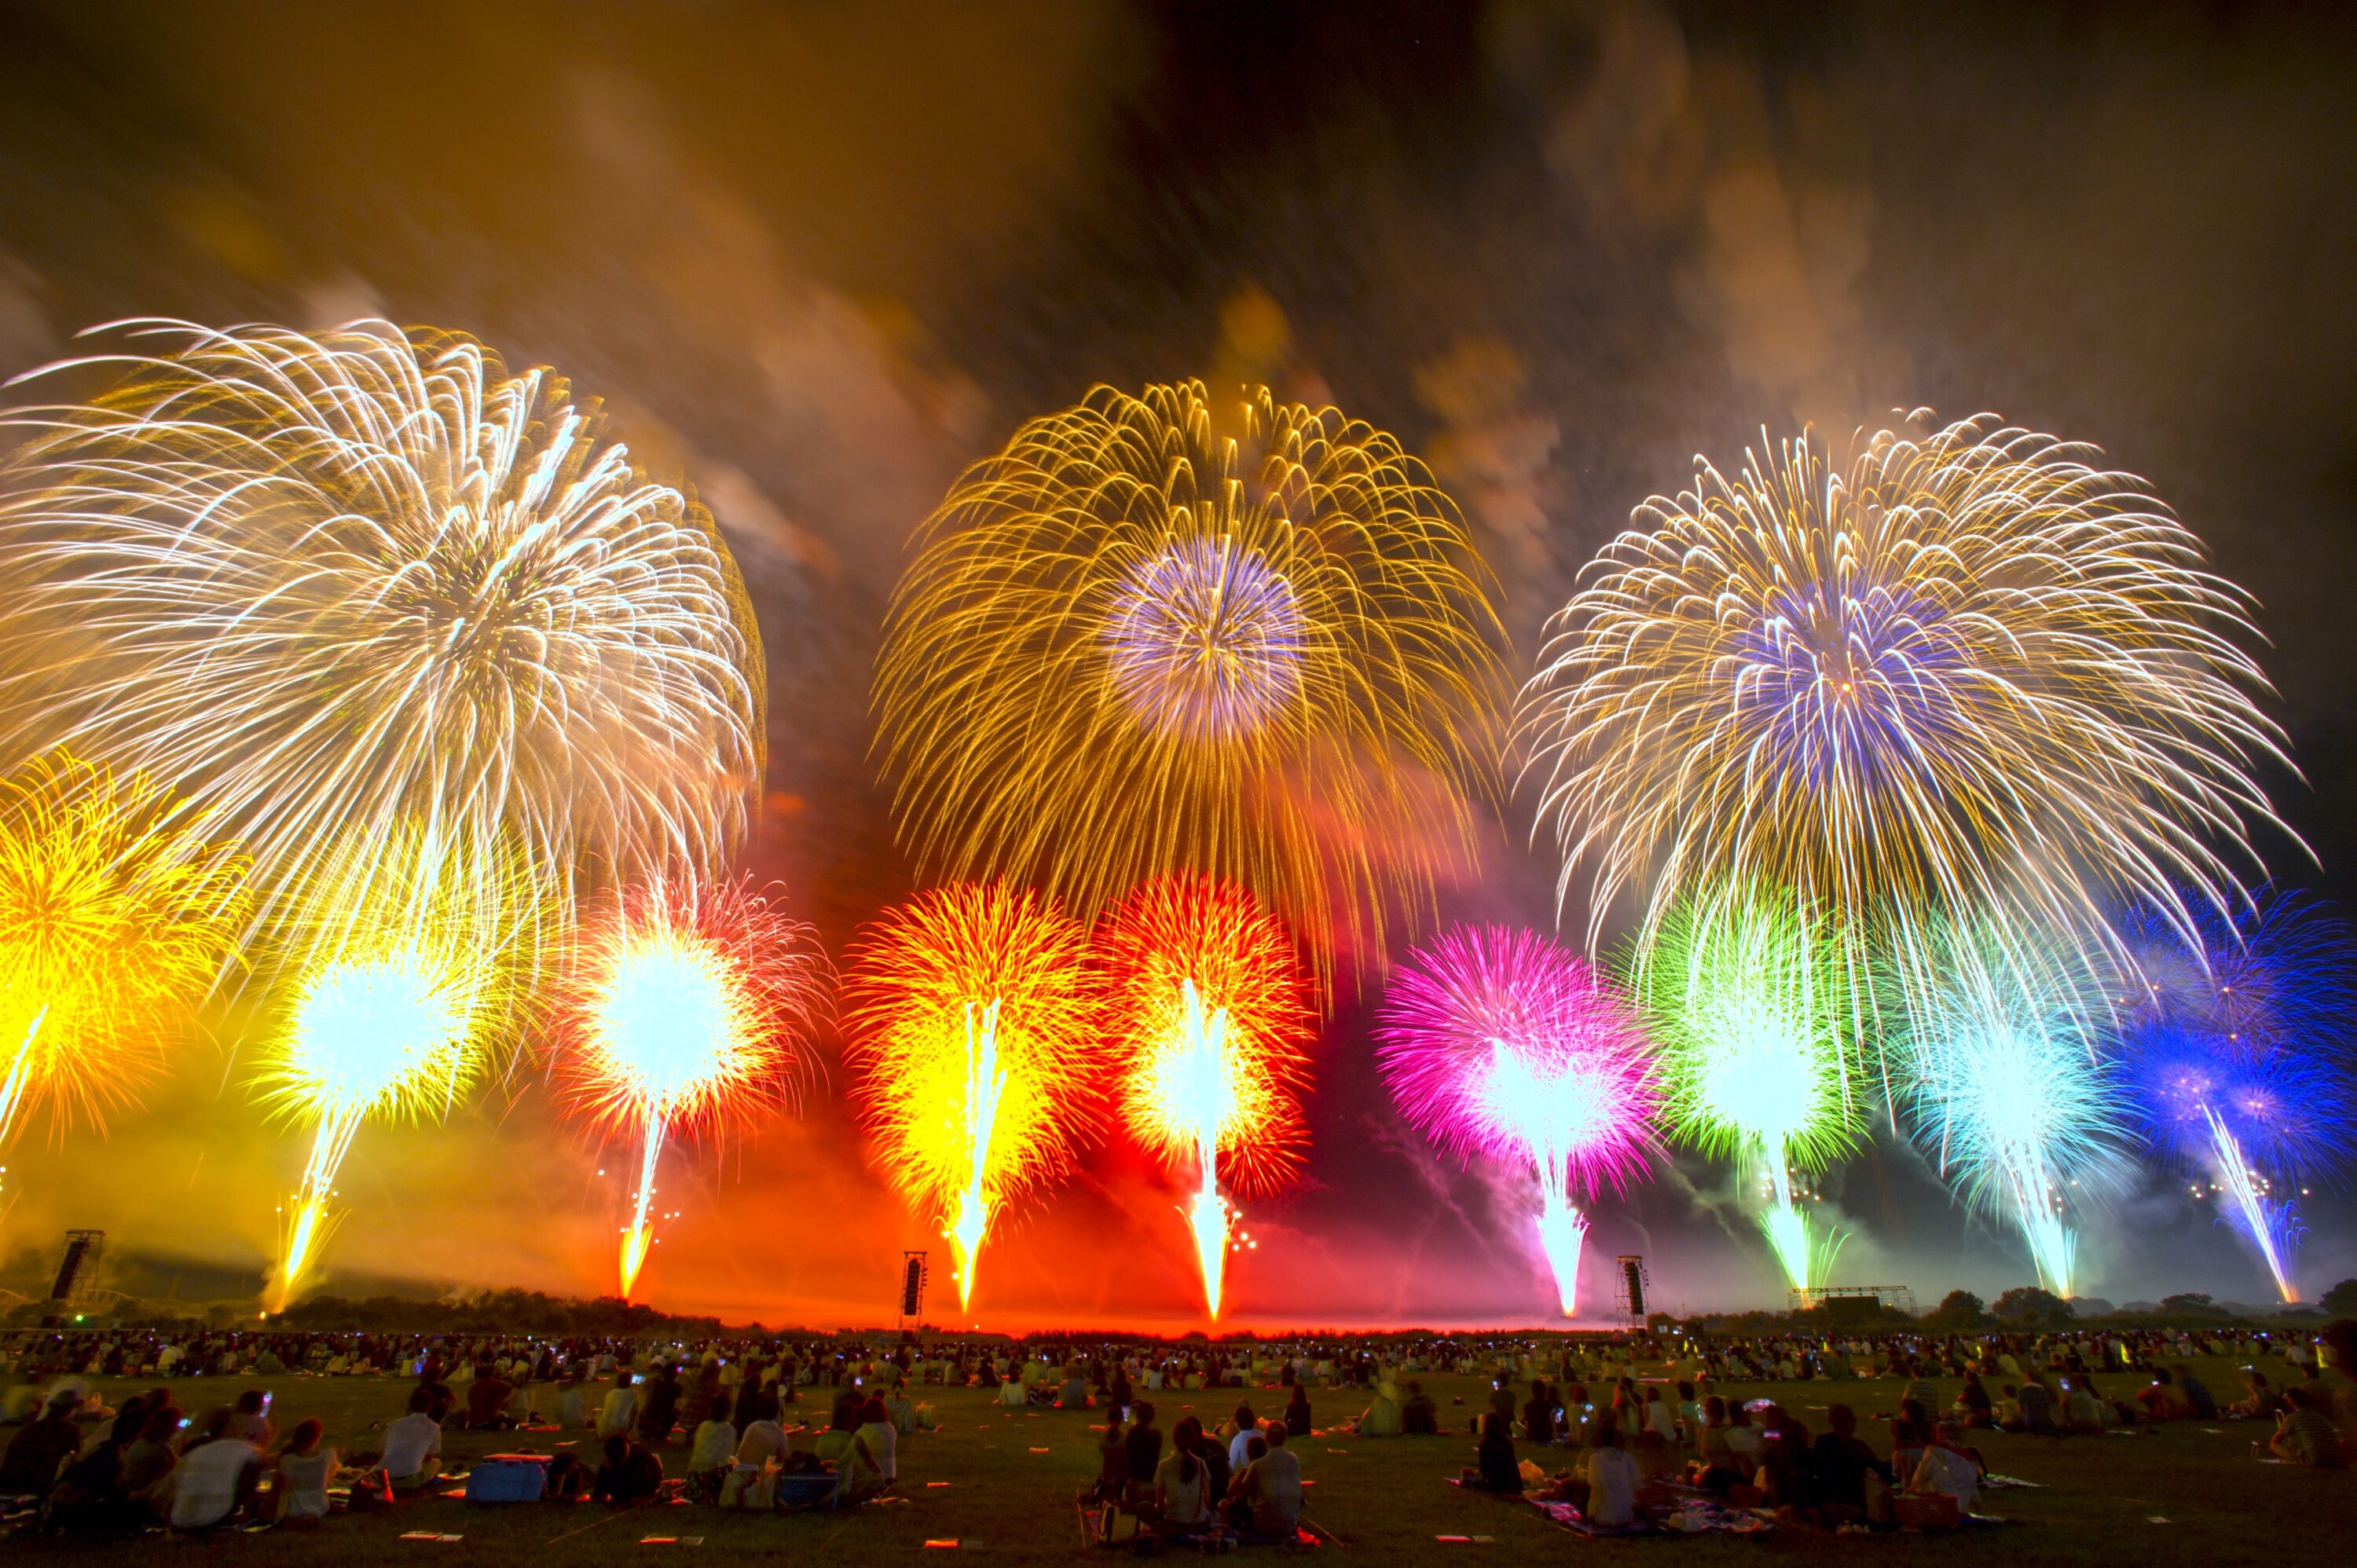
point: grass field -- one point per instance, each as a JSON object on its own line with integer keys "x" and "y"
{"x": 2184, "y": 1495}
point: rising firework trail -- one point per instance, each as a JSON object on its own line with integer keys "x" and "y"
{"x": 325, "y": 586}
{"x": 117, "y": 911}
{"x": 977, "y": 1038}
{"x": 1261, "y": 620}
{"x": 1750, "y": 1000}
{"x": 1207, "y": 1003}
{"x": 1972, "y": 678}
{"x": 690, "y": 1016}
{"x": 1501, "y": 1044}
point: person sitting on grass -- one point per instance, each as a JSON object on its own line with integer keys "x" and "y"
{"x": 250, "y": 1418}
{"x": 41, "y": 1450}
{"x": 1382, "y": 1418}
{"x": 1418, "y": 1417}
{"x": 632, "y": 1473}
{"x": 1538, "y": 1413}
{"x": 487, "y": 1400}
{"x": 573, "y": 1399}
{"x": 1239, "y": 1431}
{"x": 1609, "y": 1498}
{"x": 2303, "y": 1436}
{"x": 1142, "y": 1446}
{"x": 1973, "y": 1406}
{"x": 1269, "y": 1492}
{"x": 1074, "y": 1393}
{"x": 214, "y": 1478}
{"x": 148, "y": 1459}
{"x": 876, "y": 1430}
{"x": 764, "y": 1440}
{"x": 413, "y": 1446}
{"x": 712, "y": 1451}
{"x": 858, "y": 1476}
{"x": 2260, "y": 1399}
{"x": 1182, "y": 1493}
{"x": 2197, "y": 1393}
{"x": 305, "y": 1469}
{"x": 1839, "y": 1464}
{"x": 1296, "y": 1412}
{"x": 620, "y": 1413}
{"x": 660, "y": 1411}
{"x": 1494, "y": 1468}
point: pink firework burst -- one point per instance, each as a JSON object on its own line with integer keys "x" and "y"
{"x": 1500, "y": 1043}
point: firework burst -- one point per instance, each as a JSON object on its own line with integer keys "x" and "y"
{"x": 1750, "y": 1002}
{"x": 977, "y": 1022}
{"x": 333, "y": 583}
{"x": 1973, "y": 677}
{"x": 690, "y": 1016}
{"x": 1207, "y": 1002}
{"x": 116, "y": 912}
{"x": 2237, "y": 1053}
{"x": 1501, "y": 1044}
{"x": 2006, "y": 1089}
{"x": 1276, "y": 637}
{"x": 415, "y": 992}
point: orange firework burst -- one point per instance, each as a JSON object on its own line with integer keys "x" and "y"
{"x": 973, "y": 1017}
{"x": 1210, "y": 1000}
{"x": 690, "y": 1015}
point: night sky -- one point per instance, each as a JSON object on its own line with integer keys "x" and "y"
{"x": 817, "y": 258}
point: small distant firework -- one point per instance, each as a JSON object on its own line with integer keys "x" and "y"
{"x": 116, "y": 914}
{"x": 1263, "y": 619}
{"x": 2005, "y": 1088}
{"x": 418, "y": 990}
{"x": 977, "y": 1026}
{"x": 1499, "y": 1043}
{"x": 1208, "y": 1002}
{"x": 2238, "y": 1055}
{"x": 1750, "y": 1000}
{"x": 321, "y": 585}
{"x": 690, "y": 1014}
{"x": 1973, "y": 678}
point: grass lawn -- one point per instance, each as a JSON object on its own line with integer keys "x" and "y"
{"x": 2184, "y": 1495}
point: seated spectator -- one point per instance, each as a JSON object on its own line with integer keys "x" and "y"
{"x": 2259, "y": 1399}
{"x": 1240, "y": 1431}
{"x": 1296, "y": 1412}
{"x": 2303, "y": 1436}
{"x": 658, "y": 1412}
{"x": 632, "y": 1473}
{"x": 1612, "y": 1477}
{"x": 305, "y": 1469}
{"x": 573, "y": 1399}
{"x": 620, "y": 1413}
{"x": 901, "y": 1409}
{"x": 35, "y": 1455}
{"x": 148, "y": 1459}
{"x": 1973, "y": 1406}
{"x": 1838, "y": 1465}
{"x": 1495, "y": 1467}
{"x": 1142, "y": 1448}
{"x": 413, "y": 1446}
{"x": 251, "y": 1419}
{"x": 1270, "y": 1487}
{"x": 712, "y": 1451}
{"x": 2197, "y": 1393}
{"x": 1539, "y": 1424}
{"x": 883, "y": 1441}
{"x": 1074, "y": 1393}
{"x": 487, "y": 1401}
{"x": 2084, "y": 1410}
{"x": 1182, "y": 1494}
{"x": 1418, "y": 1418}
{"x": 764, "y": 1440}
{"x": 215, "y": 1478}
{"x": 858, "y": 1476}
{"x": 2162, "y": 1400}
{"x": 1382, "y": 1418}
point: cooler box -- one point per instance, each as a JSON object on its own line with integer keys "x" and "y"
{"x": 509, "y": 1478}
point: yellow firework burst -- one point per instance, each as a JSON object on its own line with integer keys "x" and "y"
{"x": 116, "y": 913}
{"x": 416, "y": 990}
{"x": 1972, "y": 674}
{"x": 324, "y": 582}
{"x": 1153, "y": 635}
{"x": 979, "y": 1039}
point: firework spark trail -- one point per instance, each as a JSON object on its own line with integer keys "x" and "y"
{"x": 1501, "y": 1044}
{"x": 1208, "y": 996}
{"x": 2238, "y": 1048}
{"x": 1972, "y": 678}
{"x": 317, "y": 582}
{"x": 1750, "y": 1001}
{"x": 116, "y": 913}
{"x": 416, "y": 993}
{"x": 977, "y": 1038}
{"x": 2007, "y": 1088}
{"x": 1262, "y": 619}
{"x": 690, "y": 1016}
